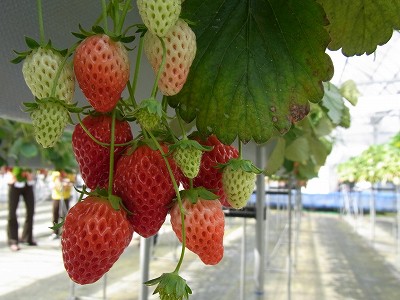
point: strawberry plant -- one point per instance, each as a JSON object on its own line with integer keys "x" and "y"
{"x": 237, "y": 70}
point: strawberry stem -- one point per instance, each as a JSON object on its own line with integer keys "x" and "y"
{"x": 118, "y": 28}
{"x": 178, "y": 197}
{"x": 132, "y": 88}
{"x": 41, "y": 26}
{"x": 160, "y": 69}
{"x": 104, "y": 11}
{"x": 112, "y": 147}
{"x": 60, "y": 68}
{"x": 105, "y": 145}
{"x": 240, "y": 149}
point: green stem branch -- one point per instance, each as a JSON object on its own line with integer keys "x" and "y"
{"x": 105, "y": 145}
{"x": 132, "y": 88}
{"x": 121, "y": 20}
{"x": 160, "y": 69}
{"x": 60, "y": 69}
{"x": 178, "y": 197}
{"x": 112, "y": 147}
{"x": 41, "y": 26}
{"x": 240, "y": 149}
{"x": 104, "y": 11}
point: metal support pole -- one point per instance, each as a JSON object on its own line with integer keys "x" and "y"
{"x": 289, "y": 247}
{"x": 105, "y": 286}
{"x": 145, "y": 248}
{"x": 398, "y": 224}
{"x": 298, "y": 211}
{"x": 260, "y": 226}
{"x": 372, "y": 214}
{"x": 243, "y": 264}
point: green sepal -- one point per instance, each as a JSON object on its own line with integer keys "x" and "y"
{"x": 170, "y": 286}
{"x": 152, "y": 105}
{"x": 57, "y": 226}
{"x": 71, "y": 107}
{"x": 244, "y": 164}
{"x": 98, "y": 29}
{"x": 31, "y": 43}
{"x": 20, "y": 56}
{"x": 142, "y": 29}
{"x": 83, "y": 34}
{"x": 30, "y": 106}
{"x": 127, "y": 39}
{"x": 115, "y": 201}
{"x": 193, "y": 194}
{"x": 188, "y": 144}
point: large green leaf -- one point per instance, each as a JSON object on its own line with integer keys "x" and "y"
{"x": 323, "y": 127}
{"x": 359, "y": 26}
{"x": 258, "y": 64}
{"x": 350, "y": 91}
{"x": 333, "y": 102}
{"x": 298, "y": 150}
{"x": 277, "y": 155}
{"x": 318, "y": 151}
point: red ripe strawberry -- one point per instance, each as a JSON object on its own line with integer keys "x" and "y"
{"x": 180, "y": 43}
{"x": 94, "y": 236}
{"x": 101, "y": 67}
{"x": 94, "y": 159}
{"x": 209, "y": 176}
{"x": 204, "y": 223}
{"x": 144, "y": 184}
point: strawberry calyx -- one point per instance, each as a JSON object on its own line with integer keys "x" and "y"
{"x": 188, "y": 144}
{"x": 170, "y": 286}
{"x": 115, "y": 201}
{"x": 148, "y": 114}
{"x": 243, "y": 164}
{"x": 71, "y": 107}
{"x": 32, "y": 45}
{"x": 193, "y": 194}
{"x": 83, "y": 34}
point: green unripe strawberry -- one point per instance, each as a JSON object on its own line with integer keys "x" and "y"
{"x": 39, "y": 70}
{"x": 238, "y": 181}
{"x": 187, "y": 155}
{"x": 149, "y": 114}
{"x": 159, "y": 15}
{"x": 49, "y": 119}
{"x": 188, "y": 160}
{"x": 147, "y": 120}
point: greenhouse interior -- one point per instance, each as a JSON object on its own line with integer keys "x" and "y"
{"x": 172, "y": 149}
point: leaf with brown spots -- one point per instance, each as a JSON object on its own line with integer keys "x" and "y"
{"x": 258, "y": 65}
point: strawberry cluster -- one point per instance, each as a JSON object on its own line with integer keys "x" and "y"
{"x": 132, "y": 180}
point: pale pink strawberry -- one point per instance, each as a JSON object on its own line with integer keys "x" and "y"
{"x": 180, "y": 43}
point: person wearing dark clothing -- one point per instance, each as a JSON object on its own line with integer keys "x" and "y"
{"x": 20, "y": 184}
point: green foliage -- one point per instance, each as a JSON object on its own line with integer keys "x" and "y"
{"x": 304, "y": 149}
{"x": 378, "y": 163}
{"x": 359, "y": 26}
{"x": 17, "y": 142}
{"x": 257, "y": 66}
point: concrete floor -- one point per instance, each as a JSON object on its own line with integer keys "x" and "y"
{"x": 332, "y": 258}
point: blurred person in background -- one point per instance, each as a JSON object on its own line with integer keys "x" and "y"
{"x": 62, "y": 185}
{"x": 20, "y": 183}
